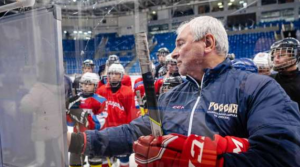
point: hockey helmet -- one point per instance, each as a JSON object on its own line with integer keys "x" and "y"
{"x": 115, "y": 68}
{"x": 288, "y": 47}
{"x": 170, "y": 83}
{"x": 112, "y": 59}
{"x": 89, "y": 78}
{"x": 163, "y": 51}
{"x": 263, "y": 62}
{"x": 88, "y": 63}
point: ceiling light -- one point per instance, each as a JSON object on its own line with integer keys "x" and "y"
{"x": 153, "y": 12}
{"x": 220, "y": 3}
{"x": 80, "y": 32}
{"x": 75, "y": 32}
{"x": 229, "y": 4}
{"x": 89, "y": 32}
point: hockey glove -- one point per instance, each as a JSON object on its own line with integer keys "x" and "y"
{"x": 178, "y": 150}
{"x": 80, "y": 116}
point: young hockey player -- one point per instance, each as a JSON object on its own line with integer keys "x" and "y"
{"x": 87, "y": 66}
{"x": 263, "y": 62}
{"x": 285, "y": 56}
{"x": 87, "y": 111}
{"x": 161, "y": 56}
{"x": 120, "y": 101}
{"x": 171, "y": 71}
{"x": 170, "y": 83}
{"x": 219, "y": 117}
{"x": 113, "y": 59}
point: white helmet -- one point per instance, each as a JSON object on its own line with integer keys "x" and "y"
{"x": 262, "y": 59}
{"x": 263, "y": 62}
{"x": 90, "y": 78}
{"x": 115, "y": 68}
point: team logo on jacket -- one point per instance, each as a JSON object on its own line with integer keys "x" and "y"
{"x": 223, "y": 111}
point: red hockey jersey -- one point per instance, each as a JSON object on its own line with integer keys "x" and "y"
{"x": 96, "y": 108}
{"x": 120, "y": 105}
{"x": 139, "y": 86}
{"x": 158, "y": 84}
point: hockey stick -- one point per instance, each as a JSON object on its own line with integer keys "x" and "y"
{"x": 142, "y": 51}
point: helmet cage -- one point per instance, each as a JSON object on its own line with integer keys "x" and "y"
{"x": 112, "y": 59}
{"x": 162, "y": 71}
{"x": 88, "y": 63}
{"x": 290, "y": 52}
{"x": 171, "y": 61}
{"x": 165, "y": 88}
{"x": 162, "y": 52}
{"x": 170, "y": 83}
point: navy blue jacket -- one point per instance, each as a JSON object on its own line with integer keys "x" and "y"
{"x": 229, "y": 102}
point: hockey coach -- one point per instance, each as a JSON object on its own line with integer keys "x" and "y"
{"x": 219, "y": 117}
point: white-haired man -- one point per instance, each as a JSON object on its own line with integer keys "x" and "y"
{"x": 206, "y": 119}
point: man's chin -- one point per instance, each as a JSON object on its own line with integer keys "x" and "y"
{"x": 182, "y": 72}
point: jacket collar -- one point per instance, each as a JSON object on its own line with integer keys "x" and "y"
{"x": 212, "y": 73}
{"x": 290, "y": 74}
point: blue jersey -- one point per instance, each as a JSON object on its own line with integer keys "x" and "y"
{"x": 228, "y": 102}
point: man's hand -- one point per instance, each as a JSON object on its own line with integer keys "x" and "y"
{"x": 179, "y": 150}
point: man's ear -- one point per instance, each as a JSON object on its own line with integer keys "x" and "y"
{"x": 210, "y": 43}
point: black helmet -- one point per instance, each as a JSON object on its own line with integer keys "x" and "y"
{"x": 163, "y": 51}
{"x": 88, "y": 63}
{"x": 286, "y": 47}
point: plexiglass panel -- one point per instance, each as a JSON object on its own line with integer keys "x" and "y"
{"x": 32, "y": 121}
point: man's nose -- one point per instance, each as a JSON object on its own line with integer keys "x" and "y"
{"x": 174, "y": 55}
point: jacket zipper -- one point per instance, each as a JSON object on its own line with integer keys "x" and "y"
{"x": 195, "y": 106}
